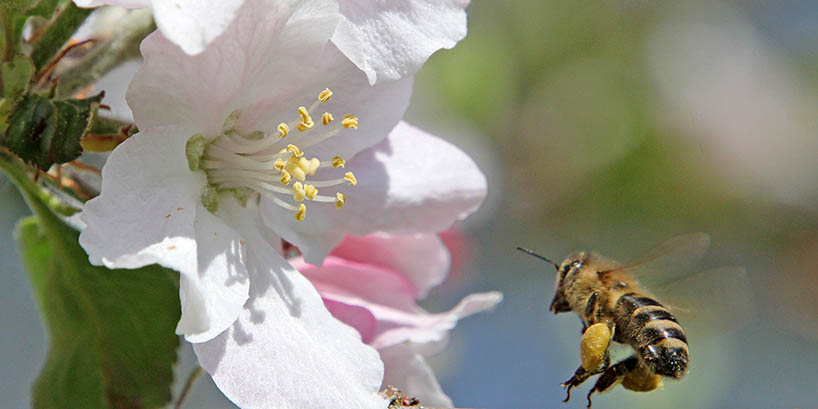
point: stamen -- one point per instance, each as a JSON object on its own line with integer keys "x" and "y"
{"x": 326, "y": 118}
{"x": 283, "y": 130}
{"x": 325, "y": 95}
{"x": 310, "y": 191}
{"x": 349, "y": 177}
{"x": 301, "y": 213}
{"x": 306, "y": 120}
{"x": 285, "y": 177}
{"x": 295, "y": 150}
{"x": 246, "y": 163}
{"x": 350, "y": 121}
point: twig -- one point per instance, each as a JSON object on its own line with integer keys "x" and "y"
{"x": 191, "y": 379}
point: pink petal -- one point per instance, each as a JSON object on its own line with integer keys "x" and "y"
{"x": 421, "y": 257}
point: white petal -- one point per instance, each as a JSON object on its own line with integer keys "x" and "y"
{"x": 407, "y": 370}
{"x": 286, "y": 350}
{"x": 213, "y": 298}
{"x": 149, "y": 211}
{"x": 392, "y": 39}
{"x": 193, "y": 24}
{"x": 147, "y": 206}
{"x": 130, "y": 4}
{"x": 411, "y": 182}
{"x": 265, "y": 51}
{"x": 421, "y": 257}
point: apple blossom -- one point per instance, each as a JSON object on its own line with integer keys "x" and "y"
{"x": 388, "y": 40}
{"x": 229, "y": 158}
{"x": 377, "y": 295}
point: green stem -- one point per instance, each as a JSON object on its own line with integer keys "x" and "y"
{"x": 123, "y": 45}
{"x": 57, "y": 34}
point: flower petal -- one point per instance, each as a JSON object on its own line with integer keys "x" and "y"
{"x": 405, "y": 368}
{"x": 421, "y": 257}
{"x": 149, "y": 211}
{"x": 392, "y": 39}
{"x": 213, "y": 298}
{"x": 266, "y": 50}
{"x": 193, "y": 24}
{"x": 286, "y": 350}
{"x": 359, "y": 284}
{"x": 356, "y": 317}
{"x": 411, "y": 182}
{"x": 146, "y": 206}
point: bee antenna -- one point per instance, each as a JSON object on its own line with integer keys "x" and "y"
{"x": 531, "y": 253}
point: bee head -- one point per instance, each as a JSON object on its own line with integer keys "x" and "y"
{"x": 566, "y": 274}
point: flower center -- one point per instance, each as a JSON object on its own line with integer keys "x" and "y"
{"x": 274, "y": 165}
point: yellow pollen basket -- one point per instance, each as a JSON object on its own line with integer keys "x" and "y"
{"x": 275, "y": 165}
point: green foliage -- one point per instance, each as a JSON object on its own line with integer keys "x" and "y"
{"x": 45, "y": 132}
{"x": 57, "y": 34}
{"x": 112, "y": 331}
{"x": 16, "y": 75}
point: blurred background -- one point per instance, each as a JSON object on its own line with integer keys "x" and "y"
{"x": 606, "y": 125}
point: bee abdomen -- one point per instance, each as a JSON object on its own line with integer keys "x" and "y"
{"x": 654, "y": 332}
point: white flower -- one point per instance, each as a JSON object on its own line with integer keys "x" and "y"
{"x": 388, "y": 40}
{"x": 226, "y": 162}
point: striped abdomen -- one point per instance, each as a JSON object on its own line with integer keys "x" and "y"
{"x": 653, "y": 332}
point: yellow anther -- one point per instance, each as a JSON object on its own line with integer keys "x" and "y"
{"x": 310, "y": 191}
{"x": 283, "y": 130}
{"x": 296, "y": 151}
{"x": 337, "y": 162}
{"x": 349, "y": 177}
{"x": 339, "y": 200}
{"x": 326, "y": 118}
{"x": 306, "y": 121}
{"x": 350, "y": 121}
{"x": 285, "y": 177}
{"x": 301, "y": 213}
{"x": 325, "y": 95}
{"x": 298, "y": 192}
{"x": 279, "y": 164}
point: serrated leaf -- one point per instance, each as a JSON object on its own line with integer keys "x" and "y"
{"x": 32, "y": 121}
{"x": 16, "y": 75}
{"x": 112, "y": 331}
{"x": 45, "y": 132}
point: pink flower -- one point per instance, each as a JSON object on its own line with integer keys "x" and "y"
{"x": 373, "y": 283}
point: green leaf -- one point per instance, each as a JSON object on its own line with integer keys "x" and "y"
{"x": 112, "y": 341}
{"x": 16, "y": 75}
{"x": 45, "y": 132}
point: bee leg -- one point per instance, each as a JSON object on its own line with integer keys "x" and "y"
{"x": 595, "y": 358}
{"x": 612, "y": 375}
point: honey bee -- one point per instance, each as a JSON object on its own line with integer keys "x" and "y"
{"x": 614, "y": 304}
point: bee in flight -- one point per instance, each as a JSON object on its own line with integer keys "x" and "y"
{"x": 613, "y": 304}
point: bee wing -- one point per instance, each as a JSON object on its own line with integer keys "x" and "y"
{"x": 669, "y": 261}
{"x": 710, "y": 302}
